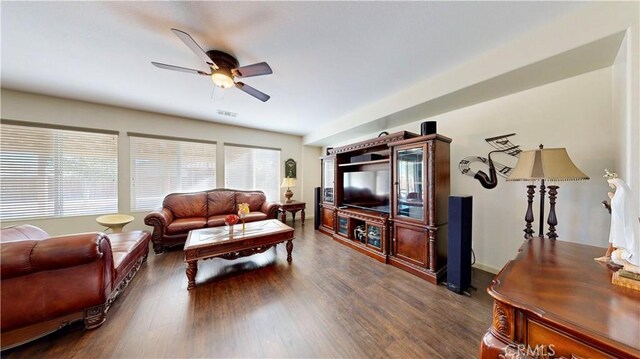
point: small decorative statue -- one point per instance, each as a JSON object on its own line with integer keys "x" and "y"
{"x": 624, "y": 242}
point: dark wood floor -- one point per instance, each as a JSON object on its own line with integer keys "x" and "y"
{"x": 330, "y": 302}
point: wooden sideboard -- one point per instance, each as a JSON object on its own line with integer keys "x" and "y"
{"x": 553, "y": 298}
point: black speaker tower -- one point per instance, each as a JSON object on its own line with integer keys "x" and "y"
{"x": 459, "y": 246}
{"x": 316, "y": 207}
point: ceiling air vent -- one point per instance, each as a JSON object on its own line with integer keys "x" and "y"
{"x": 228, "y": 113}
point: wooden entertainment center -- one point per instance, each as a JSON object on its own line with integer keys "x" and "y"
{"x": 387, "y": 197}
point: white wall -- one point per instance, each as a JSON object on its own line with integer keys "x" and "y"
{"x": 626, "y": 108}
{"x": 573, "y": 113}
{"x": 500, "y": 69}
{"x": 596, "y": 116}
{"x": 44, "y": 109}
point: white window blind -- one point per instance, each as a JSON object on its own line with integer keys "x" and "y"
{"x": 160, "y": 166}
{"x": 249, "y": 168}
{"x": 48, "y": 172}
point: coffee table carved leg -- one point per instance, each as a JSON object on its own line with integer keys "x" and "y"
{"x": 302, "y": 216}
{"x": 192, "y": 270}
{"x": 289, "y": 250}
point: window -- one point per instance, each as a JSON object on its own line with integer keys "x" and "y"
{"x": 160, "y": 166}
{"x": 249, "y": 168}
{"x": 56, "y": 172}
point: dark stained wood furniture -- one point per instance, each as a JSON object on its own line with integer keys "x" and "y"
{"x": 365, "y": 231}
{"x": 293, "y": 208}
{"x": 234, "y": 243}
{"x": 554, "y": 297}
{"x": 412, "y": 235}
{"x": 420, "y": 205}
{"x": 328, "y": 198}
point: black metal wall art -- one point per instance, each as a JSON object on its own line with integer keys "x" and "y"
{"x": 489, "y": 181}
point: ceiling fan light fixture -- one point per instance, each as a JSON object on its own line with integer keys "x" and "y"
{"x": 222, "y": 78}
{"x": 224, "y": 67}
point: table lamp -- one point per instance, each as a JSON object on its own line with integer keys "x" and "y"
{"x": 552, "y": 164}
{"x": 288, "y": 182}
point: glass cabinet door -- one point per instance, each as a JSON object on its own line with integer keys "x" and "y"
{"x": 374, "y": 236}
{"x": 343, "y": 226}
{"x": 328, "y": 174}
{"x": 409, "y": 172}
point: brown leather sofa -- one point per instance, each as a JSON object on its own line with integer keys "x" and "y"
{"x": 182, "y": 212}
{"x": 49, "y": 282}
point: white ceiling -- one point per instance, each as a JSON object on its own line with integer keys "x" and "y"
{"x": 329, "y": 58}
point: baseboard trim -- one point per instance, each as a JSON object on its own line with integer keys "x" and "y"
{"x": 486, "y": 268}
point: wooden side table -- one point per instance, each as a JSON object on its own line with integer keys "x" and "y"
{"x": 292, "y": 208}
{"x": 114, "y": 221}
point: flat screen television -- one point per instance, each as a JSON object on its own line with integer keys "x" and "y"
{"x": 367, "y": 189}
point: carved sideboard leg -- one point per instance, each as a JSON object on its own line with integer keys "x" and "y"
{"x": 289, "y": 250}
{"x": 95, "y": 316}
{"x": 192, "y": 270}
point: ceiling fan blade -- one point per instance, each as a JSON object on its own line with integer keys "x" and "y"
{"x": 253, "y": 92}
{"x": 261, "y": 68}
{"x": 193, "y": 45}
{"x": 178, "y": 68}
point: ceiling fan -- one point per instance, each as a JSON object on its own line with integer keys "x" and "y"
{"x": 224, "y": 67}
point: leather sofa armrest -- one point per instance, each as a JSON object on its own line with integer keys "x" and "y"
{"x": 159, "y": 220}
{"x": 30, "y": 256}
{"x": 270, "y": 209}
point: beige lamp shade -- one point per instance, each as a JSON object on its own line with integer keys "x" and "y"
{"x": 548, "y": 163}
{"x": 288, "y": 182}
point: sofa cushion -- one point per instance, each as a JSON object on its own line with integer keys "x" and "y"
{"x": 127, "y": 248}
{"x": 255, "y": 216}
{"x": 16, "y": 258}
{"x": 216, "y": 221}
{"x": 24, "y": 231}
{"x": 183, "y": 225}
{"x": 221, "y": 202}
{"x": 254, "y": 199}
{"x": 187, "y": 205}
{"x": 66, "y": 251}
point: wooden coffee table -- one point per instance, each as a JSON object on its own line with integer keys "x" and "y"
{"x": 221, "y": 242}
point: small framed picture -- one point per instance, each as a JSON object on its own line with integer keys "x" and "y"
{"x": 290, "y": 168}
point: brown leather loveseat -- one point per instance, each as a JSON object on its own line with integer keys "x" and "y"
{"x": 182, "y": 212}
{"x": 49, "y": 282}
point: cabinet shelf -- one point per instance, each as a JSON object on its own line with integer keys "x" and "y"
{"x": 384, "y": 160}
{"x": 363, "y": 230}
